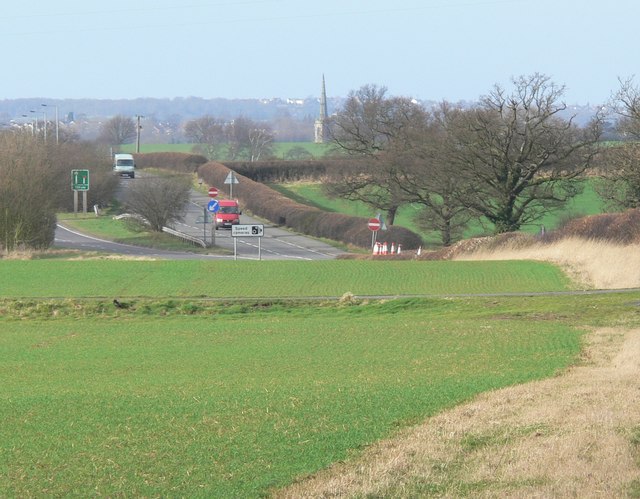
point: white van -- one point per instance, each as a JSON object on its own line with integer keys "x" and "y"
{"x": 124, "y": 165}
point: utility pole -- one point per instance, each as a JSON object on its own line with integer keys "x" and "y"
{"x": 138, "y": 128}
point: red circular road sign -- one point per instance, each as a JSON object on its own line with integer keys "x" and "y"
{"x": 213, "y": 192}
{"x": 374, "y": 224}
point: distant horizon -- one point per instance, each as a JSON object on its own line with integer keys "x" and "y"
{"x": 309, "y": 97}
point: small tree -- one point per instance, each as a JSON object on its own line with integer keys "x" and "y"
{"x": 619, "y": 184}
{"x": 27, "y": 206}
{"x": 160, "y": 200}
{"x": 248, "y": 140}
{"x": 118, "y": 130}
{"x": 208, "y": 133}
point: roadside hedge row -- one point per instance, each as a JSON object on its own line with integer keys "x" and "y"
{"x": 279, "y": 209}
{"x": 291, "y": 171}
{"x": 175, "y": 161}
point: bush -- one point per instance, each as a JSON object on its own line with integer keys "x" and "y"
{"x": 279, "y": 209}
{"x": 290, "y": 171}
{"x": 175, "y": 161}
{"x": 622, "y": 228}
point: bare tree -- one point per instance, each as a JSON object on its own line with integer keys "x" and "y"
{"x": 118, "y": 130}
{"x": 160, "y": 200}
{"x": 248, "y": 140}
{"x": 619, "y": 184}
{"x": 369, "y": 125}
{"x": 428, "y": 180}
{"x": 520, "y": 155}
{"x": 260, "y": 142}
{"x": 208, "y": 133}
{"x": 27, "y": 211}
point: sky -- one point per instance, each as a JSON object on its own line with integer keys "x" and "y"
{"x": 427, "y": 49}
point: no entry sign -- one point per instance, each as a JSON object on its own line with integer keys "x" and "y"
{"x": 213, "y": 192}
{"x": 374, "y": 224}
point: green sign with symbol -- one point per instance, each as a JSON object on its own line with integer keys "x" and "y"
{"x": 80, "y": 180}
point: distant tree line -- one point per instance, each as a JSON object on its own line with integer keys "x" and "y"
{"x": 508, "y": 160}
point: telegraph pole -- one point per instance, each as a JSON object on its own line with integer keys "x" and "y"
{"x": 138, "y": 127}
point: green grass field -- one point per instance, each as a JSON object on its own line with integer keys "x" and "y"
{"x": 232, "y": 405}
{"x": 190, "y": 397}
{"x": 272, "y": 279}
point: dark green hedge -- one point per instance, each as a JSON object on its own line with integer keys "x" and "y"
{"x": 279, "y": 209}
{"x": 176, "y": 161}
{"x": 290, "y": 171}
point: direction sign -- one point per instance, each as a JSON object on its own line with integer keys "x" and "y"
{"x": 80, "y": 180}
{"x": 213, "y": 192}
{"x": 213, "y": 206}
{"x": 247, "y": 230}
{"x": 374, "y": 224}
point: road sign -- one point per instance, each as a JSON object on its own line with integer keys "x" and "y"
{"x": 213, "y": 206}
{"x": 374, "y": 224}
{"x": 213, "y": 192}
{"x": 247, "y": 230}
{"x": 80, "y": 180}
{"x": 231, "y": 178}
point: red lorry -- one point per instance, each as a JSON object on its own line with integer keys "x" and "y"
{"x": 228, "y": 214}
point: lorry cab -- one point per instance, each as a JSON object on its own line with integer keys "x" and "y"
{"x": 124, "y": 165}
{"x": 228, "y": 214}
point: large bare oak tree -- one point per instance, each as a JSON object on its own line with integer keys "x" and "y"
{"x": 520, "y": 154}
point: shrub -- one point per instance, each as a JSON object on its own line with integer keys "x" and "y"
{"x": 176, "y": 161}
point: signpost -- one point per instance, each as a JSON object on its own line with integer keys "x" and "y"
{"x": 374, "y": 225}
{"x": 231, "y": 179}
{"x": 80, "y": 182}
{"x": 212, "y": 207}
{"x": 247, "y": 230}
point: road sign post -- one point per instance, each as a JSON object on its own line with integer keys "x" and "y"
{"x": 80, "y": 182}
{"x": 231, "y": 179}
{"x": 212, "y": 207}
{"x": 374, "y": 225}
{"x": 247, "y": 230}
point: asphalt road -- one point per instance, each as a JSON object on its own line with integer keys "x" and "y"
{"x": 276, "y": 244}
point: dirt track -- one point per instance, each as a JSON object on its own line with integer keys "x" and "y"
{"x": 576, "y": 435}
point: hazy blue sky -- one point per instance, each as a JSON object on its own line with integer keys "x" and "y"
{"x": 429, "y": 49}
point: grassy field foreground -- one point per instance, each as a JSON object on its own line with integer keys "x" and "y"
{"x": 191, "y": 397}
{"x": 199, "y": 403}
{"x": 261, "y": 279}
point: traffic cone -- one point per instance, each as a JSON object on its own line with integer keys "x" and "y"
{"x": 376, "y": 250}
{"x": 419, "y": 252}
{"x": 385, "y": 250}
{"x": 393, "y": 248}
{"x": 399, "y": 248}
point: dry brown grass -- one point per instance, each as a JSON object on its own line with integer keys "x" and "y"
{"x": 570, "y": 436}
{"x": 591, "y": 263}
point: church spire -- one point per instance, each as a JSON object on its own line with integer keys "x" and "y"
{"x": 321, "y": 122}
